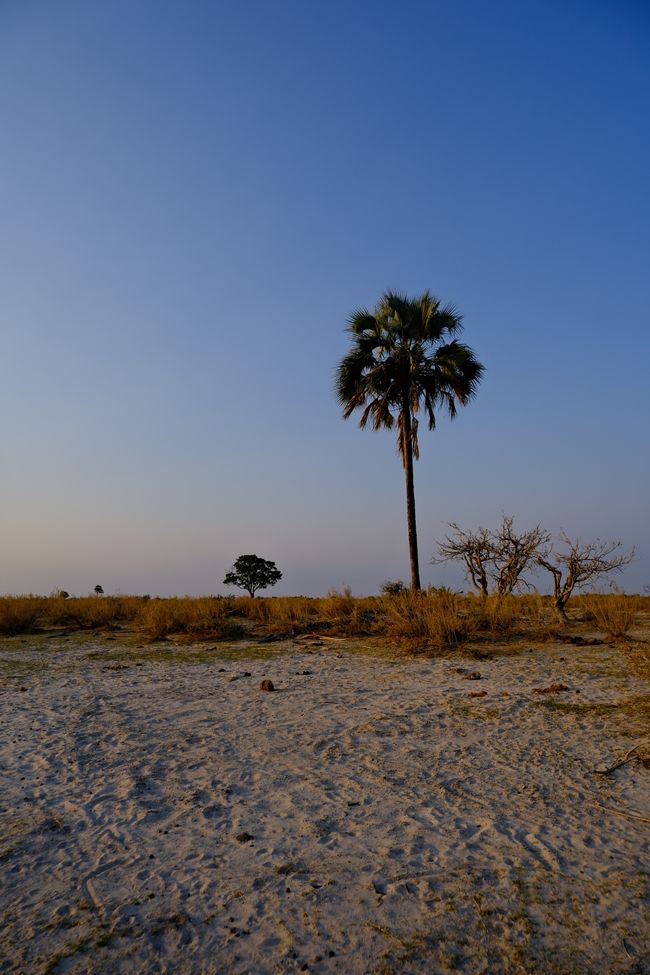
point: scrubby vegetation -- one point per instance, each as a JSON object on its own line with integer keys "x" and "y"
{"x": 614, "y": 613}
{"x": 506, "y": 558}
{"x": 434, "y": 619}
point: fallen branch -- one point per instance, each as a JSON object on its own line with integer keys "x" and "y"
{"x": 622, "y": 812}
{"x": 629, "y": 756}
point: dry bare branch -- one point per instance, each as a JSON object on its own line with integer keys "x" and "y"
{"x": 502, "y": 557}
{"x": 473, "y": 548}
{"x": 578, "y": 565}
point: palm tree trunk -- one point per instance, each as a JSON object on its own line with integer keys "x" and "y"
{"x": 407, "y": 455}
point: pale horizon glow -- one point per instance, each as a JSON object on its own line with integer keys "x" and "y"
{"x": 195, "y": 198}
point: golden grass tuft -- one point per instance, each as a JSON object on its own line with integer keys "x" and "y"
{"x": 280, "y": 611}
{"x": 432, "y": 618}
{"x": 614, "y": 613}
{"x": 202, "y": 616}
{"x": 20, "y": 614}
{"x": 90, "y": 612}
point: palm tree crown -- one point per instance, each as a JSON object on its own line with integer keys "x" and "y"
{"x": 404, "y": 358}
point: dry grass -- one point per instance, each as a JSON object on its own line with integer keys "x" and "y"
{"x": 503, "y": 614}
{"x": 156, "y": 618}
{"x": 20, "y": 614}
{"x": 637, "y": 658}
{"x": 432, "y": 618}
{"x": 90, "y": 612}
{"x": 277, "y": 611}
{"x": 338, "y": 604}
{"x": 23, "y": 614}
{"x": 349, "y": 615}
{"x": 496, "y": 614}
{"x": 203, "y": 616}
{"x": 435, "y": 618}
{"x": 614, "y": 613}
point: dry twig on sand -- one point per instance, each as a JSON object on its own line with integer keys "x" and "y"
{"x": 629, "y": 756}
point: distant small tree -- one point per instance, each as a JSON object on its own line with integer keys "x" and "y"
{"x": 251, "y": 573}
{"x": 98, "y": 591}
{"x": 392, "y": 588}
{"x": 578, "y": 565}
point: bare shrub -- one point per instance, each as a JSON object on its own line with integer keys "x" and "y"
{"x": 503, "y": 557}
{"x": 473, "y": 548}
{"x": 579, "y": 563}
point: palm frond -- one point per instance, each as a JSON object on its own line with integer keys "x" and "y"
{"x": 360, "y": 321}
{"x": 405, "y": 357}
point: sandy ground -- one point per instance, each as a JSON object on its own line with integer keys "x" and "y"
{"x": 396, "y": 824}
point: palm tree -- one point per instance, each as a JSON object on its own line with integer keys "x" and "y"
{"x": 404, "y": 358}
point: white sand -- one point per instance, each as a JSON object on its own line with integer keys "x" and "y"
{"x": 398, "y": 825}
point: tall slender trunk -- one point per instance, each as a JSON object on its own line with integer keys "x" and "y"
{"x": 410, "y": 497}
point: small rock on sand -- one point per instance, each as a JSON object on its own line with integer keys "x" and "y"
{"x": 267, "y": 685}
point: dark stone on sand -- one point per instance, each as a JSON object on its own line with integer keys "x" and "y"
{"x": 244, "y": 837}
{"x": 267, "y": 685}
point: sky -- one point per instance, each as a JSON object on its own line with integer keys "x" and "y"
{"x": 195, "y": 196}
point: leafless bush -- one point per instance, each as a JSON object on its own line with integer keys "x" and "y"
{"x": 473, "y": 548}
{"x": 502, "y": 557}
{"x": 579, "y": 563}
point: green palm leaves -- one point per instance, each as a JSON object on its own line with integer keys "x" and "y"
{"x": 404, "y": 360}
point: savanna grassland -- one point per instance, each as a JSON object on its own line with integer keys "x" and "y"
{"x": 437, "y": 783}
{"x": 423, "y": 621}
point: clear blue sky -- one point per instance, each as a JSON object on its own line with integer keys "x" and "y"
{"x": 194, "y": 197}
